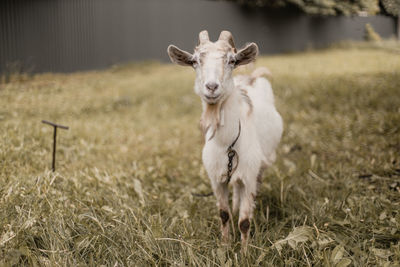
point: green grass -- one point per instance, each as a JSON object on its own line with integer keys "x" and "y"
{"x": 127, "y": 166}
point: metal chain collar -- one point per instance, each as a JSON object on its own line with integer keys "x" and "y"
{"x": 231, "y": 155}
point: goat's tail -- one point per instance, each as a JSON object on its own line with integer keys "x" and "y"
{"x": 261, "y": 71}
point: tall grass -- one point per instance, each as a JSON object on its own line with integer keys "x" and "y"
{"x": 126, "y": 169}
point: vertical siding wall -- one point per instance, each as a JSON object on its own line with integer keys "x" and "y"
{"x": 72, "y": 35}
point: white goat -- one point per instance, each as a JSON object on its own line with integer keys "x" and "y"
{"x": 239, "y": 118}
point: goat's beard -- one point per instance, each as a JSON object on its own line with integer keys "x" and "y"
{"x": 212, "y": 103}
{"x": 211, "y": 117}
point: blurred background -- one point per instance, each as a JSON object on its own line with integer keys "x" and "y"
{"x": 121, "y": 193}
{"x": 72, "y": 35}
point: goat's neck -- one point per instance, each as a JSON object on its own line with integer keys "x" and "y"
{"x": 222, "y": 119}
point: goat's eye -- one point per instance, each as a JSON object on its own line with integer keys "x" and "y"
{"x": 232, "y": 61}
{"x": 195, "y": 63}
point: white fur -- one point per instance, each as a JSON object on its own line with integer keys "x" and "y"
{"x": 261, "y": 124}
{"x": 260, "y": 134}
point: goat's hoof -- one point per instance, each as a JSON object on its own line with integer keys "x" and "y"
{"x": 243, "y": 250}
{"x": 225, "y": 242}
{"x": 225, "y": 238}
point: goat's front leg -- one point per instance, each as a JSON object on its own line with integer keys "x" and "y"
{"x": 221, "y": 193}
{"x": 247, "y": 196}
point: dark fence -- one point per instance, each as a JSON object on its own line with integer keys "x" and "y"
{"x": 72, "y": 35}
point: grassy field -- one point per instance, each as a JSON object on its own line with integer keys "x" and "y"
{"x": 127, "y": 166}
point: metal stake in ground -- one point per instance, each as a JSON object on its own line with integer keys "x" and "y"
{"x": 53, "y": 165}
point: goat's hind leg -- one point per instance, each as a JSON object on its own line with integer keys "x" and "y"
{"x": 221, "y": 193}
{"x": 247, "y": 196}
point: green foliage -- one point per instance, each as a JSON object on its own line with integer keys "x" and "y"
{"x": 392, "y": 7}
{"x": 121, "y": 195}
{"x": 371, "y": 35}
{"x": 323, "y": 7}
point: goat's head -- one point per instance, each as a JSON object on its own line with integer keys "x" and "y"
{"x": 214, "y": 63}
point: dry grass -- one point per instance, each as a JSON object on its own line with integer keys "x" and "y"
{"x": 127, "y": 166}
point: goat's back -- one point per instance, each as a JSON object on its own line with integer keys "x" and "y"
{"x": 268, "y": 122}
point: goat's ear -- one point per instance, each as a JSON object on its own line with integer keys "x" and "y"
{"x": 246, "y": 55}
{"x": 179, "y": 56}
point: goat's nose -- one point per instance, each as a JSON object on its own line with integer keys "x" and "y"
{"x": 212, "y": 86}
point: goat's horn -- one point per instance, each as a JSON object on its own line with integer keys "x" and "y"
{"x": 203, "y": 37}
{"x": 227, "y": 36}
